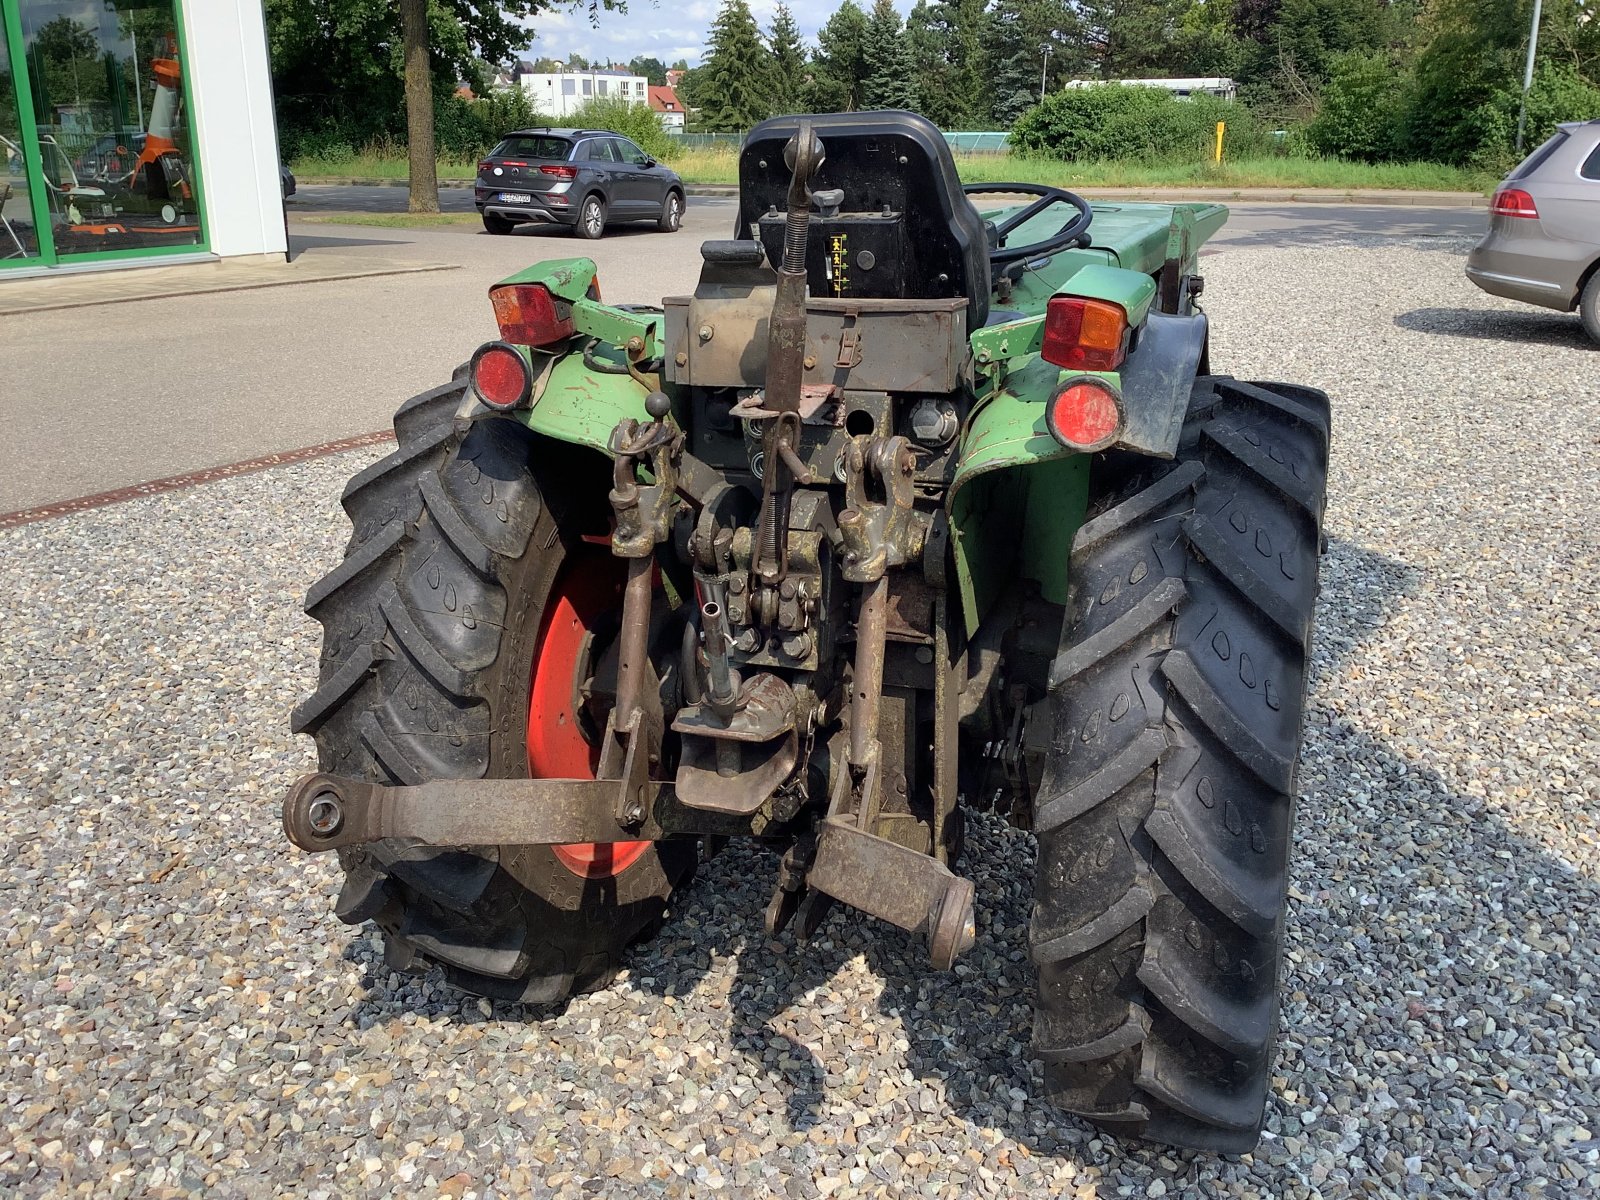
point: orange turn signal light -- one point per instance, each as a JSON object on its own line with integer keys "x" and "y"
{"x": 1085, "y": 335}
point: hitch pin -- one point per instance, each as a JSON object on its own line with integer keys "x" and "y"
{"x": 723, "y": 693}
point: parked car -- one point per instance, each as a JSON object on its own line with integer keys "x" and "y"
{"x": 584, "y": 179}
{"x": 286, "y": 181}
{"x": 1543, "y": 244}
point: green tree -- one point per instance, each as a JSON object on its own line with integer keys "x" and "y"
{"x": 1129, "y": 39}
{"x": 653, "y": 69}
{"x": 1019, "y": 33}
{"x": 788, "y": 75}
{"x": 349, "y": 69}
{"x": 839, "y": 69}
{"x": 887, "y": 61}
{"x": 732, "y": 86}
{"x": 1362, "y": 113}
{"x": 950, "y": 56}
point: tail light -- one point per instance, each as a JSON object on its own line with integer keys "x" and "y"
{"x": 1085, "y": 335}
{"x": 528, "y": 315}
{"x": 560, "y": 172}
{"x": 485, "y": 163}
{"x": 1085, "y": 414}
{"x": 1513, "y": 202}
{"x": 500, "y": 376}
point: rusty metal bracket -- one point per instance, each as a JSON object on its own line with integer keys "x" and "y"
{"x": 878, "y": 534}
{"x": 327, "y": 812}
{"x": 898, "y": 885}
{"x": 644, "y": 511}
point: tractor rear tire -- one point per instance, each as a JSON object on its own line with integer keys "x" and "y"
{"x": 432, "y": 627}
{"x": 1166, "y": 802}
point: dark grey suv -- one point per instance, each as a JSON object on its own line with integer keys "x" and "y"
{"x": 583, "y": 178}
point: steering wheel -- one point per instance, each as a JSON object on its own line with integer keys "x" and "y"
{"x": 1062, "y": 239}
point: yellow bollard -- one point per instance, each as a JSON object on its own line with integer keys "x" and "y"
{"x": 1221, "y": 125}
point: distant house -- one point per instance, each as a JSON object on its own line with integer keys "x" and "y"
{"x": 675, "y": 77}
{"x": 667, "y": 106}
{"x": 562, "y": 92}
{"x": 1209, "y": 85}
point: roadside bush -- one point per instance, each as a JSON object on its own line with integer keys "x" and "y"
{"x": 1363, "y": 110}
{"x": 1141, "y": 124}
{"x": 637, "y": 122}
{"x": 1558, "y": 94}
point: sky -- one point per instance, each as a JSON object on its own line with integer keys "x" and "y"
{"x": 664, "y": 29}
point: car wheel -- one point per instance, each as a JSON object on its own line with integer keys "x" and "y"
{"x": 591, "y": 218}
{"x": 495, "y": 223}
{"x": 1589, "y": 306}
{"x": 671, "y": 213}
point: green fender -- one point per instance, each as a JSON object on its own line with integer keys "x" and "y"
{"x": 1018, "y": 495}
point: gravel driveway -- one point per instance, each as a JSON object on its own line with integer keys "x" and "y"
{"x": 184, "y": 1016}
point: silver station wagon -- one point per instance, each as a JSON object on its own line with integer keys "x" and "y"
{"x": 1543, "y": 244}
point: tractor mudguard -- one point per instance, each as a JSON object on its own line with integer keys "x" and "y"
{"x": 1157, "y": 380}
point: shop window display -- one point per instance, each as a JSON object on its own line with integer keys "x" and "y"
{"x": 115, "y": 151}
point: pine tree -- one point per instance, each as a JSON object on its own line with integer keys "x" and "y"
{"x": 839, "y": 69}
{"x": 733, "y": 84}
{"x": 887, "y": 61}
{"x": 960, "y": 91}
{"x": 931, "y": 70}
{"x": 788, "y": 62}
{"x": 1019, "y": 33}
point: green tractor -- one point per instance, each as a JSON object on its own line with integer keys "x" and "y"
{"x": 911, "y": 507}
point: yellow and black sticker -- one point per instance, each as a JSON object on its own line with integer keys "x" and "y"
{"x": 839, "y": 261}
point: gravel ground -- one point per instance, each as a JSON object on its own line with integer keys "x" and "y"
{"x": 183, "y": 1015}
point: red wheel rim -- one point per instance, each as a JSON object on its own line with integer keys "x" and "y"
{"x": 587, "y": 590}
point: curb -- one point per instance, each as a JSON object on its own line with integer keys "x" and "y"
{"x": 1395, "y": 198}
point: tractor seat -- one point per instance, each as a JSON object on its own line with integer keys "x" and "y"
{"x": 897, "y": 224}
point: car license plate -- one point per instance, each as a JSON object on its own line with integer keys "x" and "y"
{"x": 515, "y": 198}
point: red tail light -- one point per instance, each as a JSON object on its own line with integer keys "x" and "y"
{"x": 560, "y": 172}
{"x": 485, "y": 163}
{"x": 1086, "y": 414}
{"x": 1513, "y": 202}
{"x": 528, "y": 315}
{"x": 1085, "y": 335}
{"x": 500, "y": 376}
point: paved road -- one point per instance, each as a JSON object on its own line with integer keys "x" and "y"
{"x": 102, "y": 398}
{"x": 1254, "y": 224}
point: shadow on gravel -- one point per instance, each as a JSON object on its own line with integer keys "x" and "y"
{"x": 1407, "y": 899}
{"x": 1536, "y": 325}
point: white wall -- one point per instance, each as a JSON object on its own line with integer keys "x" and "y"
{"x": 225, "y": 47}
{"x": 547, "y": 96}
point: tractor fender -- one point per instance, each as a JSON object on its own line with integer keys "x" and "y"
{"x": 1157, "y": 379}
{"x": 573, "y": 402}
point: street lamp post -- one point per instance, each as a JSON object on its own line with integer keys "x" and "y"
{"x": 1044, "y": 72}
{"x": 1527, "y": 75}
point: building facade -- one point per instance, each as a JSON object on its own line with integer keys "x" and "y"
{"x": 135, "y": 132}
{"x": 560, "y": 94}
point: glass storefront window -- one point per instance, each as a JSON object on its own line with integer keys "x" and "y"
{"x": 115, "y": 147}
{"x": 18, "y": 237}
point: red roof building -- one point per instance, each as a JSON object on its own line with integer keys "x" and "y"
{"x": 665, "y": 102}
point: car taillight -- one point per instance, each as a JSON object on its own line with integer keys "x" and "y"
{"x": 1085, "y": 335}
{"x": 1086, "y": 414}
{"x": 560, "y": 172}
{"x": 529, "y": 315}
{"x": 485, "y": 163}
{"x": 1513, "y": 202}
{"x": 500, "y": 376}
